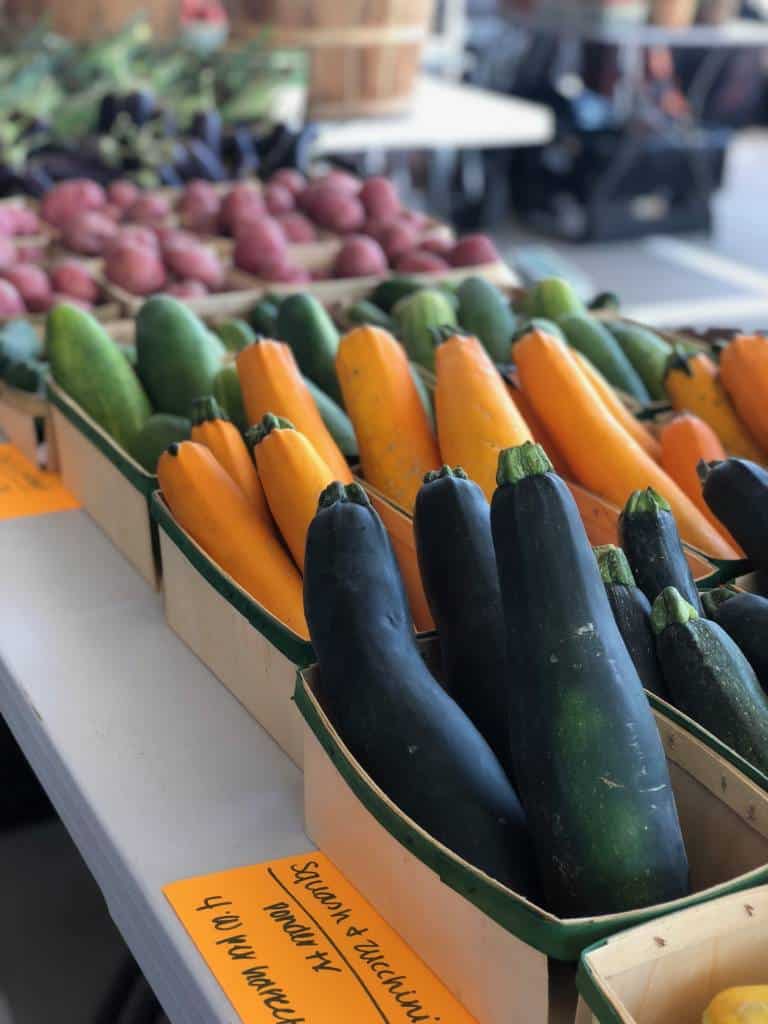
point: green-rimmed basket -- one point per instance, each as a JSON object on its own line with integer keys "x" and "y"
{"x": 492, "y": 947}
{"x": 250, "y": 651}
{"x": 111, "y": 486}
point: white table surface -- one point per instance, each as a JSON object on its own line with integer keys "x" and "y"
{"x": 444, "y": 114}
{"x": 156, "y": 771}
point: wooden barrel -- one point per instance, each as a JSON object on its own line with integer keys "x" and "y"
{"x": 364, "y": 55}
{"x": 92, "y": 19}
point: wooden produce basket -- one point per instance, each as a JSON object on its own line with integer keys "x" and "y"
{"x": 110, "y": 485}
{"x": 25, "y": 420}
{"x": 364, "y": 58}
{"x": 668, "y": 971}
{"x": 492, "y": 948}
{"x": 250, "y": 651}
{"x": 91, "y": 19}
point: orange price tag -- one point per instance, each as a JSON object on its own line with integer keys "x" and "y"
{"x": 291, "y": 941}
{"x": 26, "y": 490}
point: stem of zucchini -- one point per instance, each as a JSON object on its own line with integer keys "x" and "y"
{"x": 712, "y": 599}
{"x": 515, "y": 464}
{"x": 439, "y": 474}
{"x": 726, "y": 570}
{"x": 669, "y": 608}
{"x": 646, "y": 501}
{"x": 613, "y": 565}
{"x": 205, "y": 409}
{"x": 255, "y": 435}
{"x": 337, "y": 492}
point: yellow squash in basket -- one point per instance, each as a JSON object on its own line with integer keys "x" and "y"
{"x": 745, "y": 1005}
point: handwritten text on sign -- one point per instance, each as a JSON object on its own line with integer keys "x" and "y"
{"x": 291, "y": 941}
{"x": 27, "y": 491}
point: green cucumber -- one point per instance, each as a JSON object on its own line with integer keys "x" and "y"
{"x": 88, "y": 365}
{"x": 304, "y": 324}
{"x": 538, "y": 323}
{"x": 336, "y": 420}
{"x": 647, "y": 352}
{"x": 596, "y": 342}
{"x": 178, "y": 357}
{"x": 632, "y": 612}
{"x": 226, "y": 391}
{"x": 160, "y": 430}
{"x": 652, "y": 544}
{"x": 589, "y": 764}
{"x": 263, "y": 318}
{"x": 417, "y": 317}
{"x": 554, "y": 297}
{"x": 485, "y": 312}
{"x": 235, "y": 334}
{"x": 710, "y": 679}
{"x": 387, "y": 294}
{"x": 402, "y": 727}
{"x": 744, "y": 617}
{"x": 366, "y": 312}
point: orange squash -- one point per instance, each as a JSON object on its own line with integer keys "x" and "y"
{"x": 603, "y": 456}
{"x": 210, "y": 506}
{"x": 293, "y": 475}
{"x": 617, "y": 409}
{"x": 397, "y": 445}
{"x": 476, "y": 417}
{"x": 744, "y": 373}
{"x": 694, "y": 385}
{"x": 685, "y": 441}
{"x": 211, "y": 427}
{"x": 271, "y": 382}
{"x": 540, "y": 433}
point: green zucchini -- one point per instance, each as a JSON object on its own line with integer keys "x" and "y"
{"x": 366, "y": 312}
{"x": 744, "y": 617}
{"x": 596, "y": 342}
{"x": 554, "y": 297}
{"x": 226, "y": 390}
{"x": 632, "y": 612}
{"x": 538, "y": 323}
{"x": 484, "y": 311}
{"x": 652, "y": 544}
{"x": 304, "y": 323}
{"x": 647, "y": 352}
{"x": 263, "y": 318}
{"x": 736, "y": 491}
{"x": 417, "y": 317}
{"x": 160, "y": 430}
{"x": 589, "y": 764}
{"x": 423, "y": 391}
{"x": 336, "y": 420}
{"x": 710, "y": 679}
{"x": 388, "y": 293}
{"x": 402, "y": 727}
{"x": 452, "y": 527}
{"x": 235, "y": 334}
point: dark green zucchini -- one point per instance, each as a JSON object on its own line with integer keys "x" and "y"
{"x": 709, "y": 678}
{"x": 484, "y": 311}
{"x": 400, "y": 724}
{"x": 744, "y": 617}
{"x": 538, "y": 323}
{"x": 648, "y": 353}
{"x": 652, "y": 544}
{"x": 452, "y": 526}
{"x": 388, "y": 293}
{"x": 366, "y": 312}
{"x": 263, "y": 318}
{"x": 589, "y": 764}
{"x": 737, "y": 492}
{"x": 596, "y": 342}
{"x": 632, "y": 612}
{"x": 304, "y": 323}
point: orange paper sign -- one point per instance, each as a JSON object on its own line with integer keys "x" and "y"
{"x": 291, "y": 941}
{"x": 26, "y": 490}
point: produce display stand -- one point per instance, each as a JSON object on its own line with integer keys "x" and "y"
{"x": 670, "y": 969}
{"x": 25, "y": 421}
{"x": 496, "y": 935}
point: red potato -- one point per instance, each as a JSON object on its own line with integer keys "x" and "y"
{"x": 150, "y": 209}
{"x": 71, "y": 198}
{"x": 136, "y": 268}
{"x": 342, "y": 180}
{"x": 7, "y": 220}
{"x": 123, "y": 193}
{"x": 360, "y": 256}
{"x": 418, "y": 219}
{"x": 200, "y": 208}
{"x": 112, "y": 211}
{"x": 279, "y": 199}
{"x": 398, "y": 239}
{"x": 380, "y": 199}
{"x": 172, "y": 238}
{"x": 32, "y": 284}
{"x": 258, "y": 244}
{"x": 420, "y": 261}
{"x": 297, "y": 228}
{"x": 472, "y": 250}
{"x": 8, "y": 253}
{"x": 290, "y": 178}
{"x": 439, "y": 246}
{"x": 89, "y": 233}
{"x": 187, "y": 289}
{"x": 284, "y": 272}
{"x": 24, "y": 221}
{"x": 11, "y": 303}
{"x": 74, "y": 280}
{"x": 30, "y": 254}
{"x": 196, "y": 262}
{"x": 337, "y": 211}
{"x": 133, "y": 234}
{"x": 243, "y": 201}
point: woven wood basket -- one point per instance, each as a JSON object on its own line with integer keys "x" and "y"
{"x": 364, "y": 55}
{"x": 91, "y": 19}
